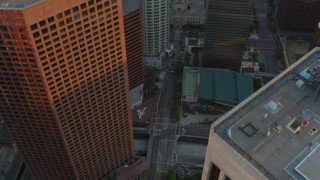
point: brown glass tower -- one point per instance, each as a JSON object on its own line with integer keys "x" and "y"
{"x": 64, "y": 93}
{"x": 316, "y": 39}
{"x": 226, "y": 33}
{"x": 134, "y": 47}
{"x": 134, "y": 42}
{"x": 299, "y": 14}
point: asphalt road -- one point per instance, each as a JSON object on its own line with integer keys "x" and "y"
{"x": 266, "y": 44}
{"x": 166, "y": 130}
{"x": 164, "y": 134}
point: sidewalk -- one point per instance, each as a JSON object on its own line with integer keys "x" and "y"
{"x": 196, "y": 118}
{"x": 149, "y": 113}
{"x": 135, "y": 169}
{"x": 143, "y": 163}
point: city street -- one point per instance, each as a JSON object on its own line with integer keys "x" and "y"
{"x": 162, "y": 133}
{"x": 166, "y": 131}
{"x": 265, "y": 44}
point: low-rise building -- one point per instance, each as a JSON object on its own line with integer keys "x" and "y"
{"x": 215, "y": 85}
{"x": 187, "y": 12}
{"x": 153, "y": 62}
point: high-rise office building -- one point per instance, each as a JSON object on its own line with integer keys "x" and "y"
{"x": 226, "y": 32}
{"x": 299, "y": 14}
{"x": 64, "y": 93}
{"x": 274, "y": 133}
{"x": 316, "y": 40}
{"x": 156, "y": 16}
{"x": 133, "y": 28}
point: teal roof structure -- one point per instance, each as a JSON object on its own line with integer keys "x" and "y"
{"x": 224, "y": 86}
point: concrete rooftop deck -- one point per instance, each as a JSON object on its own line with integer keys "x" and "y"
{"x": 275, "y": 151}
{"x": 272, "y": 154}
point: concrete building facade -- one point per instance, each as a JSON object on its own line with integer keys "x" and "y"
{"x": 300, "y": 15}
{"x": 226, "y": 32}
{"x": 274, "y": 133}
{"x": 156, "y": 15}
{"x": 64, "y": 93}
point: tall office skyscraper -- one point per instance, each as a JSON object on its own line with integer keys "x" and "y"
{"x": 64, "y": 93}
{"x": 227, "y": 28}
{"x": 299, "y": 14}
{"x": 317, "y": 36}
{"x": 133, "y": 28}
{"x": 316, "y": 40}
{"x": 156, "y": 14}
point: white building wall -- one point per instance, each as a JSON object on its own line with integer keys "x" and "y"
{"x": 156, "y": 25}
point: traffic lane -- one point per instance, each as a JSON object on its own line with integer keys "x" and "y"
{"x": 264, "y": 30}
{"x": 266, "y": 44}
{"x": 195, "y": 131}
{"x": 187, "y": 160}
{"x": 260, "y": 6}
{"x": 158, "y": 155}
{"x": 154, "y": 169}
{"x": 165, "y": 93}
{"x": 154, "y": 159}
{"x": 270, "y": 62}
{"x": 201, "y": 127}
{"x": 165, "y": 102}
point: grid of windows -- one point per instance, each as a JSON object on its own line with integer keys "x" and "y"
{"x": 227, "y": 28}
{"x": 84, "y": 69}
{"x": 133, "y": 32}
{"x": 302, "y": 15}
{"x": 80, "y": 56}
{"x": 24, "y": 104}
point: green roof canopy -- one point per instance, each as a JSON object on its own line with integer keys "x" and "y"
{"x": 224, "y": 86}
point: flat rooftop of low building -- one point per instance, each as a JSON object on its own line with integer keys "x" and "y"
{"x": 190, "y": 84}
{"x": 196, "y": 9}
{"x": 277, "y": 127}
{"x": 224, "y": 86}
{"x": 17, "y": 4}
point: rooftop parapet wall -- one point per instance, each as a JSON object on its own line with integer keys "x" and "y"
{"x": 241, "y": 114}
{"x": 288, "y": 73}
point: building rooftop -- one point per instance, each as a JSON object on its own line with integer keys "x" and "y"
{"x": 277, "y": 128}
{"x": 190, "y": 84}
{"x": 130, "y": 5}
{"x": 196, "y": 9}
{"x": 17, "y": 4}
{"x": 224, "y": 86}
